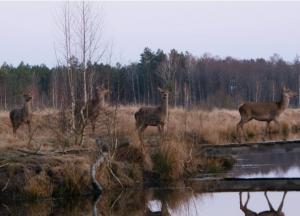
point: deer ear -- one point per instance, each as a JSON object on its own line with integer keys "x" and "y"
{"x": 284, "y": 88}
{"x": 159, "y": 89}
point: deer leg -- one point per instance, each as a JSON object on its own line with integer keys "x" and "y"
{"x": 240, "y": 129}
{"x": 267, "y": 130}
{"x": 14, "y": 131}
{"x": 141, "y": 133}
{"x": 161, "y": 129}
{"x": 277, "y": 123}
{"x": 244, "y": 208}
{"x": 282, "y": 201}
{"x": 241, "y": 202}
{"x": 93, "y": 124}
{"x": 269, "y": 203}
{"x": 248, "y": 198}
{"x": 29, "y": 127}
{"x": 238, "y": 134}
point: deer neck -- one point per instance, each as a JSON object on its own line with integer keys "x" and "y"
{"x": 284, "y": 103}
{"x": 102, "y": 101}
{"x": 27, "y": 107}
{"x": 165, "y": 106}
{"x": 99, "y": 100}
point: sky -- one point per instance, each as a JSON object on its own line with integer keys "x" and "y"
{"x": 29, "y": 30}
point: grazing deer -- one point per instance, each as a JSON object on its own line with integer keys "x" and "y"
{"x": 264, "y": 111}
{"x": 22, "y": 115}
{"x": 271, "y": 212}
{"x": 153, "y": 116}
{"x": 93, "y": 107}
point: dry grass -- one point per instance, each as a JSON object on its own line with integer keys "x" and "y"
{"x": 172, "y": 157}
{"x": 38, "y": 186}
{"x": 196, "y": 126}
{"x": 187, "y": 130}
{"x": 75, "y": 176}
{"x": 217, "y": 126}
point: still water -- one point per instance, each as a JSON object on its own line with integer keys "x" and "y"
{"x": 267, "y": 165}
{"x": 160, "y": 202}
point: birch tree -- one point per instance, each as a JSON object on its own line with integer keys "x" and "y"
{"x": 81, "y": 27}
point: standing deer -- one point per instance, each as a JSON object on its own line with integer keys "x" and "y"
{"x": 153, "y": 116}
{"x": 264, "y": 111}
{"x": 22, "y": 115}
{"x": 271, "y": 212}
{"x": 92, "y": 108}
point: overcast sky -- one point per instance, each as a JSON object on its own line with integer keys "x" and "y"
{"x": 238, "y": 29}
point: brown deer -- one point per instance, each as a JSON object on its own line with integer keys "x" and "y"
{"x": 271, "y": 212}
{"x": 153, "y": 116}
{"x": 93, "y": 107}
{"x": 264, "y": 111}
{"x": 22, "y": 115}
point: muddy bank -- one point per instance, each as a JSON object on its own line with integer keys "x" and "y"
{"x": 51, "y": 174}
{"x": 26, "y": 175}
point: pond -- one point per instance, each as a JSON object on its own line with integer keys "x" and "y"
{"x": 159, "y": 202}
{"x": 267, "y": 164}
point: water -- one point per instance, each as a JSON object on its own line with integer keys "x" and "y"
{"x": 267, "y": 165}
{"x": 179, "y": 202}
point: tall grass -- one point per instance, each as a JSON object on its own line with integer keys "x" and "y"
{"x": 172, "y": 157}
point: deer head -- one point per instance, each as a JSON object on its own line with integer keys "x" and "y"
{"x": 164, "y": 93}
{"x": 102, "y": 91}
{"x": 286, "y": 92}
{"x": 27, "y": 95}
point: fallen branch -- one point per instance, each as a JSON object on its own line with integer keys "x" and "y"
{"x": 113, "y": 174}
{"x": 72, "y": 151}
{"x": 3, "y": 165}
{"x": 95, "y": 202}
{"x": 7, "y": 208}
{"x": 97, "y": 186}
{"x": 5, "y": 186}
{"x": 102, "y": 154}
{"x": 30, "y": 152}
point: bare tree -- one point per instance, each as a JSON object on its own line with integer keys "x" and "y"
{"x": 81, "y": 27}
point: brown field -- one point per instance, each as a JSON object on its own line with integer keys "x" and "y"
{"x": 217, "y": 126}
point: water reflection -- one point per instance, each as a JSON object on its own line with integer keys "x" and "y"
{"x": 178, "y": 202}
{"x": 270, "y": 212}
{"x": 270, "y": 164}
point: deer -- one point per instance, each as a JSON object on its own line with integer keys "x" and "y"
{"x": 271, "y": 212}
{"x": 153, "y": 116}
{"x": 92, "y": 109}
{"x": 23, "y": 115}
{"x": 264, "y": 111}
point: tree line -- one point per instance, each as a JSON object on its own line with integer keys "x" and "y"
{"x": 205, "y": 81}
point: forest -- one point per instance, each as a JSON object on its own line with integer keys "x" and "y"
{"x": 206, "y": 81}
